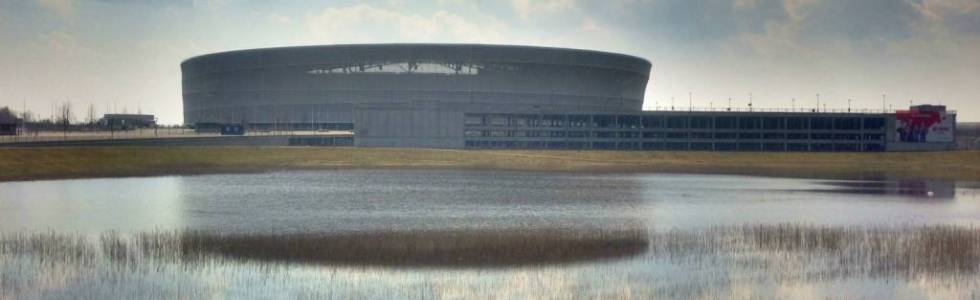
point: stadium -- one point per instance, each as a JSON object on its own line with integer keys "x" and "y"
{"x": 510, "y": 97}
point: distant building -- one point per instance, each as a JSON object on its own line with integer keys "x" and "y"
{"x": 9, "y": 126}
{"x": 127, "y": 121}
{"x": 474, "y": 96}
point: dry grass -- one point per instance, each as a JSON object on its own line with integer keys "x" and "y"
{"x": 471, "y": 248}
{"x": 935, "y": 249}
{"x": 54, "y": 163}
{"x": 829, "y": 251}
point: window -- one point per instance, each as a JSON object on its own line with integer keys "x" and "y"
{"x": 797, "y": 123}
{"x": 847, "y": 123}
{"x": 797, "y": 136}
{"x": 874, "y": 137}
{"x": 821, "y": 136}
{"x": 652, "y": 146}
{"x": 497, "y": 120}
{"x": 773, "y": 135}
{"x": 653, "y": 122}
{"x": 821, "y": 123}
{"x": 749, "y": 123}
{"x": 701, "y": 122}
{"x": 553, "y": 120}
{"x": 797, "y": 147}
{"x": 874, "y": 123}
{"x": 474, "y": 120}
{"x": 725, "y": 123}
{"x": 629, "y": 134}
{"x": 701, "y": 146}
{"x": 749, "y": 135}
{"x": 629, "y": 122}
{"x": 605, "y": 134}
{"x": 603, "y": 121}
{"x": 773, "y": 147}
{"x": 772, "y": 123}
{"x": 725, "y": 135}
{"x": 677, "y": 135}
{"x": 676, "y": 122}
{"x": 701, "y": 135}
{"x": 725, "y": 147}
{"x": 653, "y": 135}
{"x": 578, "y": 121}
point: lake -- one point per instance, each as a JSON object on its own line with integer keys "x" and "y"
{"x": 449, "y": 234}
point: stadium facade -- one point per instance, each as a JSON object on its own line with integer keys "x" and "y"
{"x": 507, "y": 97}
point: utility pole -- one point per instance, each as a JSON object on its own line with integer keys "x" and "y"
{"x": 818, "y": 101}
{"x": 690, "y": 101}
{"x": 750, "y": 101}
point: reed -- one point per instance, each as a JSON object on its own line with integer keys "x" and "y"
{"x": 835, "y": 251}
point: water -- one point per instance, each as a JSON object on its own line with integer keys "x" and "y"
{"x": 436, "y": 234}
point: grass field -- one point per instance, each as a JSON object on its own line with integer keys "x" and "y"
{"x": 83, "y": 162}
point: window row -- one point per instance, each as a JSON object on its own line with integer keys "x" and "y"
{"x": 679, "y": 146}
{"x": 678, "y": 122}
{"x": 676, "y": 135}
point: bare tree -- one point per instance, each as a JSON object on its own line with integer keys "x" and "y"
{"x": 65, "y": 116}
{"x": 91, "y": 116}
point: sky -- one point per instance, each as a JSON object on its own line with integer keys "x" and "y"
{"x": 121, "y": 55}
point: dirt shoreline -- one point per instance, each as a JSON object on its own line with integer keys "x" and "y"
{"x": 18, "y": 164}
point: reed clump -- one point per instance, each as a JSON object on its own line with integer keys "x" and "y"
{"x": 834, "y": 251}
{"x": 445, "y": 248}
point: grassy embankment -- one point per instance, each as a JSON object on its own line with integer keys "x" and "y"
{"x": 54, "y": 163}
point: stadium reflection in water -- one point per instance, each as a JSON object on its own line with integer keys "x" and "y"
{"x": 424, "y": 234}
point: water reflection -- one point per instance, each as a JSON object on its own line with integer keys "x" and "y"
{"x": 431, "y": 234}
{"x": 443, "y": 248}
{"x": 920, "y": 188}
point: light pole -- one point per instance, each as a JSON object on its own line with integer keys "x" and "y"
{"x": 848, "y": 104}
{"x": 883, "y": 103}
{"x": 750, "y": 101}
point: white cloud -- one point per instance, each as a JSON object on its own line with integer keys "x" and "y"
{"x": 211, "y": 4}
{"x": 528, "y": 8}
{"x": 61, "y": 7}
{"x": 280, "y": 19}
{"x": 366, "y": 23}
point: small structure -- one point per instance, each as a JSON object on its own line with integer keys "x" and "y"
{"x": 232, "y": 129}
{"x": 127, "y": 121}
{"x": 9, "y": 125}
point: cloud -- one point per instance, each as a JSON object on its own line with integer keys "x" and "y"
{"x": 366, "y": 23}
{"x": 525, "y": 9}
{"x": 61, "y": 7}
{"x": 211, "y": 4}
{"x": 280, "y": 19}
